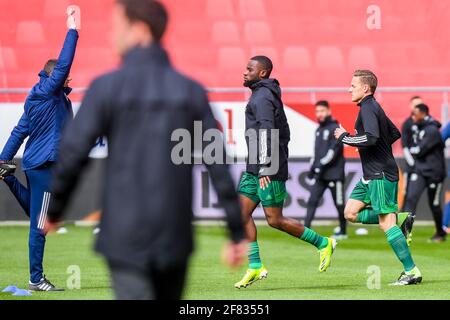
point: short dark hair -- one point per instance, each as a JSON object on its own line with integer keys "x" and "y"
{"x": 367, "y": 77}
{"x": 49, "y": 66}
{"x": 415, "y": 97}
{"x": 423, "y": 108}
{"x": 265, "y": 62}
{"x": 323, "y": 103}
{"x": 151, "y": 12}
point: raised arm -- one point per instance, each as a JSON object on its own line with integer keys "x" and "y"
{"x": 62, "y": 68}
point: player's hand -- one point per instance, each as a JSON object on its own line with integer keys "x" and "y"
{"x": 233, "y": 254}
{"x": 264, "y": 182}
{"x": 50, "y": 226}
{"x": 71, "y": 24}
{"x": 339, "y": 131}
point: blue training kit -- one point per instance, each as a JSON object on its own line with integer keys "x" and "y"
{"x": 46, "y": 111}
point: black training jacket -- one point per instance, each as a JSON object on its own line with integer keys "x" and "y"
{"x": 428, "y": 150}
{"x": 328, "y": 162}
{"x": 265, "y": 112}
{"x": 375, "y": 134}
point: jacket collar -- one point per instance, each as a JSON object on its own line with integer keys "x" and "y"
{"x": 44, "y": 75}
{"x": 366, "y": 98}
{"x": 67, "y": 90}
{"x": 326, "y": 121}
{"x": 154, "y": 52}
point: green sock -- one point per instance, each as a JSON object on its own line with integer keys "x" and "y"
{"x": 253, "y": 256}
{"x": 397, "y": 241}
{"x": 367, "y": 216}
{"x": 315, "y": 239}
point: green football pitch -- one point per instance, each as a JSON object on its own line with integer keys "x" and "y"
{"x": 292, "y": 267}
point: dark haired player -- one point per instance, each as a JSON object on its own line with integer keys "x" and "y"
{"x": 264, "y": 181}
{"x": 327, "y": 168}
{"x": 429, "y": 167}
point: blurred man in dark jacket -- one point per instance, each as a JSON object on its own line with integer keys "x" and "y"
{"x": 327, "y": 168}
{"x": 429, "y": 167}
{"x": 146, "y": 232}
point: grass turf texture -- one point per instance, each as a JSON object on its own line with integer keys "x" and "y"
{"x": 292, "y": 266}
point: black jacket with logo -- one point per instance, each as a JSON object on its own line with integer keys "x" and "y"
{"x": 328, "y": 162}
{"x": 428, "y": 150}
{"x": 375, "y": 134}
{"x": 265, "y": 112}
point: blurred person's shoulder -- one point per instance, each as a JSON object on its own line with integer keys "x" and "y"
{"x": 106, "y": 81}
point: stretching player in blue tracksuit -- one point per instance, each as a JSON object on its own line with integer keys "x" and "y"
{"x": 446, "y": 221}
{"x": 47, "y": 108}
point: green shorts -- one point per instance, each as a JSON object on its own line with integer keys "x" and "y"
{"x": 380, "y": 194}
{"x": 272, "y": 196}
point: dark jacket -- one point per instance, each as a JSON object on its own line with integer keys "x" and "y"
{"x": 407, "y": 142}
{"x": 47, "y": 109}
{"x": 428, "y": 150}
{"x": 375, "y": 134}
{"x": 147, "y": 197}
{"x": 265, "y": 112}
{"x": 329, "y": 162}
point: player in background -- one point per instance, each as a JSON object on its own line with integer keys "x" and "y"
{"x": 407, "y": 142}
{"x": 429, "y": 167}
{"x": 374, "y": 198}
{"x": 47, "y": 109}
{"x": 267, "y": 171}
{"x": 327, "y": 168}
{"x": 446, "y": 221}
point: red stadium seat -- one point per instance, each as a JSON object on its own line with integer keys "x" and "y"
{"x": 30, "y": 33}
{"x": 220, "y": 9}
{"x": 258, "y": 32}
{"x": 8, "y": 60}
{"x": 252, "y": 9}
{"x": 232, "y": 58}
{"x": 329, "y": 58}
{"x": 297, "y": 58}
{"x": 270, "y": 52}
{"x": 225, "y": 33}
{"x": 53, "y": 9}
{"x": 361, "y": 57}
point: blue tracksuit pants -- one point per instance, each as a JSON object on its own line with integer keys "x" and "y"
{"x": 34, "y": 200}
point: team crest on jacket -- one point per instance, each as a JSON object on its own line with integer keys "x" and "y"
{"x": 421, "y": 134}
